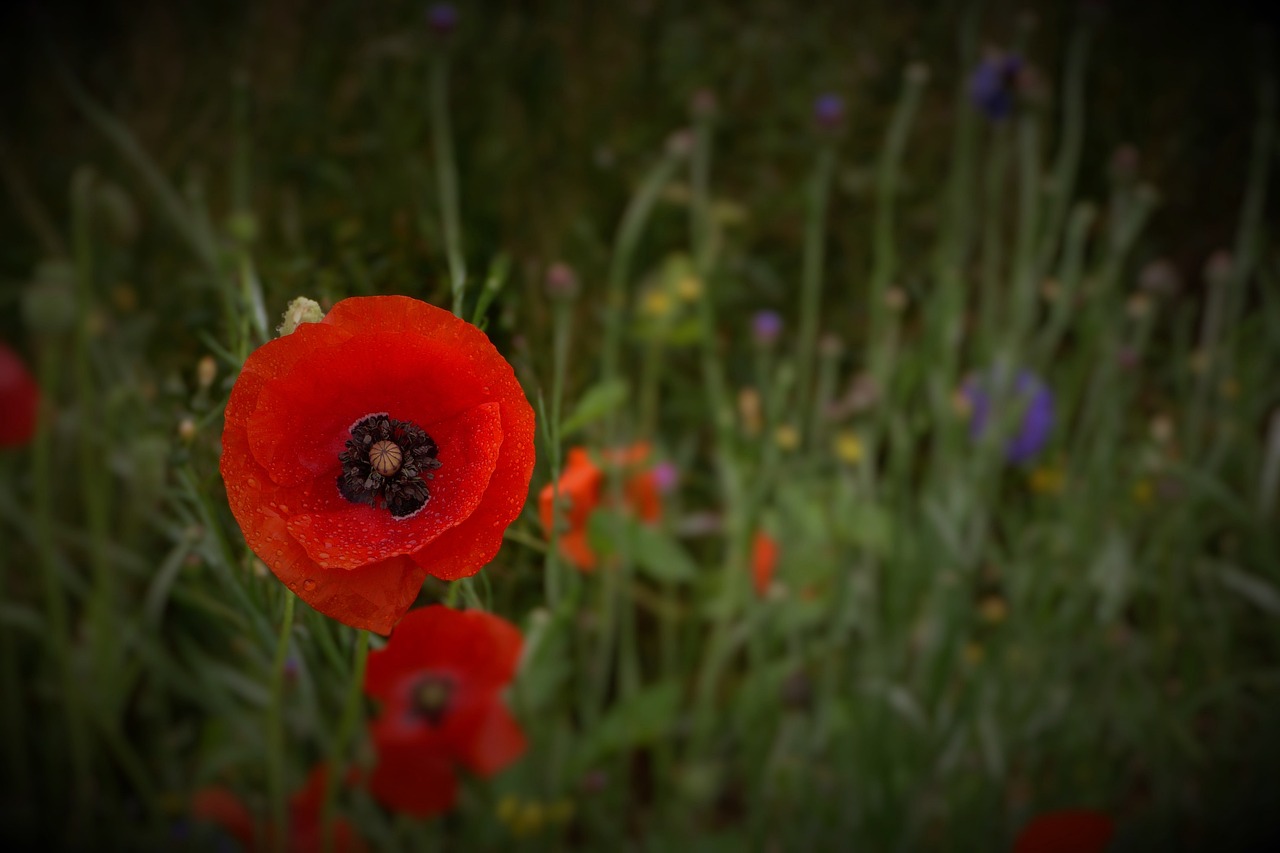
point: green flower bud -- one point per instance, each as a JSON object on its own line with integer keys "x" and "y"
{"x": 301, "y": 310}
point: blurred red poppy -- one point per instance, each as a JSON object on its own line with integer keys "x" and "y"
{"x": 19, "y": 400}
{"x": 764, "y": 560}
{"x": 582, "y": 491}
{"x": 387, "y": 442}
{"x": 220, "y": 806}
{"x": 1066, "y": 832}
{"x": 439, "y": 680}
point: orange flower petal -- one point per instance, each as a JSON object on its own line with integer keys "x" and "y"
{"x": 581, "y": 493}
{"x": 764, "y": 561}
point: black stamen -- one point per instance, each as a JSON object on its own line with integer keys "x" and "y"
{"x": 432, "y": 696}
{"x": 376, "y": 482}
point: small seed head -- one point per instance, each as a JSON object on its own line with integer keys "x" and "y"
{"x": 385, "y": 457}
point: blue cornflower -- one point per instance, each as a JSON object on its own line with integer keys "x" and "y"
{"x": 442, "y": 18}
{"x": 766, "y": 326}
{"x": 1026, "y": 393}
{"x": 828, "y": 111}
{"x": 992, "y": 85}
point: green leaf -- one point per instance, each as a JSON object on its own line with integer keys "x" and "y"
{"x": 656, "y": 553}
{"x": 869, "y": 526}
{"x": 1250, "y": 587}
{"x": 545, "y": 666}
{"x": 597, "y": 402}
{"x": 642, "y": 719}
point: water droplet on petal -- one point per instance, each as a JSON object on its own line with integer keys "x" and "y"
{"x": 308, "y": 584}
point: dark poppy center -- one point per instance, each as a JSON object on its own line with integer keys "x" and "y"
{"x": 386, "y": 464}
{"x": 432, "y": 696}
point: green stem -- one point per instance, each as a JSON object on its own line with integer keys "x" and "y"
{"x": 10, "y": 649}
{"x": 447, "y": 179}
{"x": 811, "y": 273}
{"x": 992, "y": 235}
{"x": 102, "y": 608}
{"x": 275, "y": 729}
{"x": 1025, "y": 276}
{"x": 632, "y": 226}
{"x": 346, "y": 728}
{"x": 1067, "y": 162}
{"x": 59, "y": 646}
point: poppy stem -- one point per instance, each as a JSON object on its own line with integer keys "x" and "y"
{"x": 811, "y": 273}
{"x": 275, "y": 731}
{"x": 447, "y": 179}
{"x": 351, "y": 712}
{"x": 56, "y": 606}
{"x": 94, "y": 423}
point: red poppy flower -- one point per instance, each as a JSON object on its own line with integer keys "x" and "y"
{"x": 364, "y": 452}
{"x": 19, "y": 400}
{"x": 439, "y": 679}
{"x": 764, "y": 560}
{"x": 1066, "y": 832}
{"x": 220, "y": 806}
{"x": 582, "y": 489}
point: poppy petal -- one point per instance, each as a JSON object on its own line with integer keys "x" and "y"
{"x": 482, "y": 649}
{"x": 19, "y": 400}
{"x": 495, "y": 741}
{"x": 220, "y": 806}
{"x": 371, "y": 597}
{"x": 418, "y": 783}
{"x": 468, "y": 547}
{"x": 301, "y": 424}
{"x": 1066, "y": 832}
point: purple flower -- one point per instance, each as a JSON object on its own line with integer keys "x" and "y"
{"x": 561, "y": 281}
{"x": 666, "y": 476}
{"x": 992, "y": 85}
{"x": 766, "y": 326}
{"x": 828, "y": 111}
{"x": 1028, "y": 394}
{"x": 442, "y": 18}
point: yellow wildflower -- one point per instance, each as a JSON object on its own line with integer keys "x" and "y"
{"x": 689, "y": 288}
{"x": 530, "y": 819}
{"x": 787, "y": 436}
{"x": 994, "y": 609}
{"x": 749, "y": 410}
{"x": 656, "y": 304}
{"x": 849, "y": 447}
{"x": 1048, "y": 479}
{"x": 1142, "y": 492}
{"x": 561, "y": 811}
{"x": 508, "y": 808}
